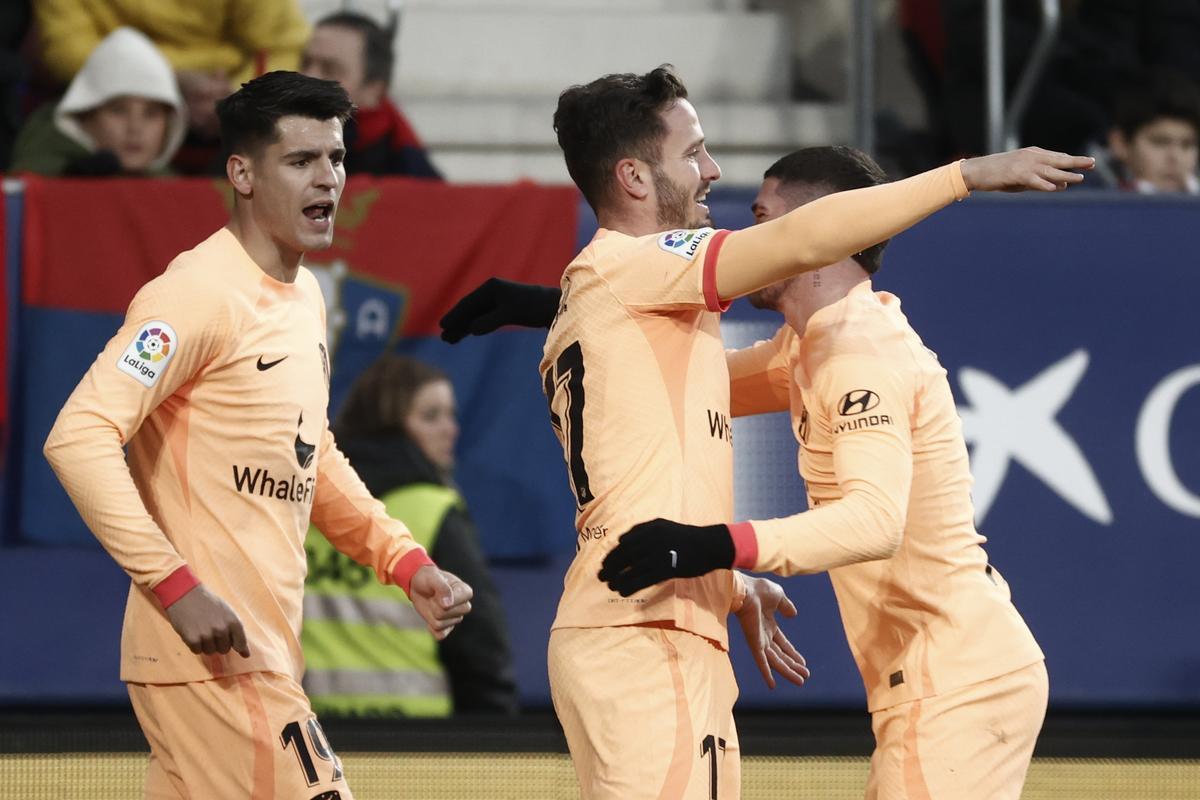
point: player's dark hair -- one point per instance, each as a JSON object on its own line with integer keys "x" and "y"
{"x": 828, "y": 170}
{"x": 1161, "y": 94}
{"x": 381, "y": 397}
{"x": 378, "y": 55}
{"x": 611, "y": 118}
{"x": 250, "y": 115}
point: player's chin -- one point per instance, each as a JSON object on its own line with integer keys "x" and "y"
{"x": 316, "y": 239}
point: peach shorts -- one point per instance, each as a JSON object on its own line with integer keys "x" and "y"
{"x": 244, "y": 737}
{"x": 972, "y": 743}
{"x": 647, "y": 712}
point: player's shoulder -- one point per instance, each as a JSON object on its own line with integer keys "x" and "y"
{"x": 308, "y": 282}
{"x": 611, "y": 250}
{"x": 863, "y": 325}
{"x": 202, "y": 266}
{"x": 682, "y": 243}
{"x": 195, "y": 285}
{"x": 786, "y": 340}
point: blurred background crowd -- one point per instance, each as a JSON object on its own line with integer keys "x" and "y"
{"x": 125, "y": 87}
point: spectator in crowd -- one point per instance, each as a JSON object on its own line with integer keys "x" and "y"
{"x": 357, "y": 53}
{"x": 367, "y": 652}
{"x": 14, "y": 22}
{"x": 121, "y": 115}
{"x": 213, "y": 46}
{"x": 1156, "y": 133}
{"x": 1100, "y": 46}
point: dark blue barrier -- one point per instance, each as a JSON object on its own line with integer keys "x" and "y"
{"x": 1067, "y": 329}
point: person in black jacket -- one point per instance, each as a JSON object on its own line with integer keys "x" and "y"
{"x": 398, "y": 428}
{"x": 356, "y": 52}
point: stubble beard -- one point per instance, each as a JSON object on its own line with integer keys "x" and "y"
{"x": 767, "y": 297}
{"x": 675, "y": 204}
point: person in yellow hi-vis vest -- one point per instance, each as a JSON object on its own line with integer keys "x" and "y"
{"x": 367, "y": 651}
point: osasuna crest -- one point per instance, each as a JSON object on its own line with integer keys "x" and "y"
{"x": 147, "y": 356}
{"x": 682, "y": 243}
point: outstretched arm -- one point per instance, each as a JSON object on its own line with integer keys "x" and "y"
{"x": 839, "y": 225}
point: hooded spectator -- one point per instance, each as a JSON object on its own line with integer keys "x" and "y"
{"x": 121, "y": 115}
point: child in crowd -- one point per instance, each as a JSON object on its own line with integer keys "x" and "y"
{"x": 121, "y": 115}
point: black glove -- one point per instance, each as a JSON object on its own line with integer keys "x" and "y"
{"x": 497, "y": 302}
{"x": 658, "y": 550}
{"x": 100, "y": 164}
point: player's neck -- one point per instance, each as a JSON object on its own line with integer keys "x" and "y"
{"x": 808, "y": 293}
{"x": 631, "y": 222}
{"x": 280, "y": 262}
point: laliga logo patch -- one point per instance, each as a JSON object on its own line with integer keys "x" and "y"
{"x": 683, "y": 243}
{"x": 148, "y": 354}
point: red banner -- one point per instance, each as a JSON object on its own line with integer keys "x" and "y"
{"x": 90, "y": 244}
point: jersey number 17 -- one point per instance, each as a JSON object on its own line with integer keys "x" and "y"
{"x": 566, "y": 375}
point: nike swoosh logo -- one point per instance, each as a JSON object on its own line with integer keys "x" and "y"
{"x": 263, "y": 366}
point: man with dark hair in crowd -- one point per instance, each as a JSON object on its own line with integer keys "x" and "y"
{"x": 357, "y": 53}
{"x": 1155, "y": 134}
{"x": 218, "y": 385}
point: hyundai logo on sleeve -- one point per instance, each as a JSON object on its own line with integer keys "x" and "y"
{"x": 857, "y": 401}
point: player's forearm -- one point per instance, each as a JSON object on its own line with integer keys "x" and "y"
{"x": 358, "y": 525}
{"x": 863, "y": 526}
{"x": 758, "y": 379}
{"x": 830, "y": 229}
{"x": 84, "y": 450}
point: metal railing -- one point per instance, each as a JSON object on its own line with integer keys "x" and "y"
{"x": 1001, "y": 124}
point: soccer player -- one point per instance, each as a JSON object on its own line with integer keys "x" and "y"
{"x": 635, "y": 374}
{"x": 955, "y": 682}
{"x": 218, "y": 384}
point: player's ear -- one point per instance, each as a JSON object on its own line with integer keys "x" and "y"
{"x": 238, "y": 168}
{"x": 633, "y": 177}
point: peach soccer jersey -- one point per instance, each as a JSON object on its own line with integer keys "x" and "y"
{"x": 218, "y": 382}
{"x": 885, "y": 465}
{"x": 639, "y": 397}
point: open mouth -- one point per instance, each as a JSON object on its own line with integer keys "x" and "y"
{"x": 319, "y": 212}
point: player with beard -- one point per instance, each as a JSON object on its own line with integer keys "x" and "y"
{"x": 634, "y": 372}
{"x": 956, "y": 684}
{"x": 218, "y": 383}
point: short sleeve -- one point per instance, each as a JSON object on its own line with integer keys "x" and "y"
{"x": 172, "y": 330}
{"x": 668, "y": 270}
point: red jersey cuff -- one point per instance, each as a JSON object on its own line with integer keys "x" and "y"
{"x": 711, "y": 299}
{"x": 745, "y": 545}
{"x": 407, "y": 566}
{"x": 175, "y": 586}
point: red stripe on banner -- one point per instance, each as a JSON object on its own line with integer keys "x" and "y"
{"x": 89, "y": 245}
